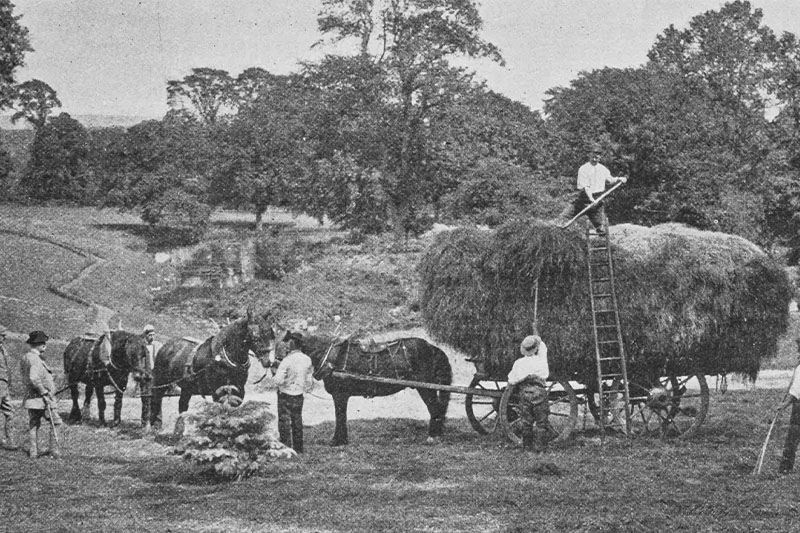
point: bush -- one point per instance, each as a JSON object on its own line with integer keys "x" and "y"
{"x": 277, "y": 255}
{"x": 232, "y": 442}
{"x": 179, "y": 212}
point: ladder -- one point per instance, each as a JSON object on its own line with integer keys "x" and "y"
{"x": 612, "y": 372}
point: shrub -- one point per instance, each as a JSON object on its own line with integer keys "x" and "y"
{"x": 179, "y": 212}
{"x": 233, "y": 442}
{"x": 277, "y": 255}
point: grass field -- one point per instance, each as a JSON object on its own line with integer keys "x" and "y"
{"x": 388, "y": 478}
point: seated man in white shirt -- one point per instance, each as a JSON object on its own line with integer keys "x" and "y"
{"x": 532, "y": 371}
{"x": 592, "y": 179}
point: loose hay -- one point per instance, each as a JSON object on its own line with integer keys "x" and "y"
{"x": 689, "y": 300}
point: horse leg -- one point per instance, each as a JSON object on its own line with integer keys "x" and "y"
{"x": 183, "y": 401}
{"x": 88, "y": 391}
{"x": 340, "y": 407}
{"x": 155, "y": 408}
{"x": 101, "y": 405}
{"x": 117, "y": 409}
{"x": 437, "y": 407}
{"x": 75, "y": 413}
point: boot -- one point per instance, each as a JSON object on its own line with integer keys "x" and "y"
{"x": 33, "y": 443}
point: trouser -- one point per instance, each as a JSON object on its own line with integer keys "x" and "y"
{"x": 7, "y": 411}
{"x": 596, "y": 215}
{"x": 535, "y": 413}
{"x": 792, "y": 439}
{"x": 35, "y": 417}
{"x": 290, "y": 420}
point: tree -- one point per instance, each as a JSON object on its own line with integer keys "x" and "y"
{"x": 35, "y": 100}
{"x": 206, "y": 90}
{"x": 13, "y": 45}
{"x": 265, "y": 149}
{"x": 404, "y": 47}
{"x": 59, "y": 166}
{"x": 252, "y": 83}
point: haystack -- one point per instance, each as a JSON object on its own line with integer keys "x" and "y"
{"x": 689, "y": 300}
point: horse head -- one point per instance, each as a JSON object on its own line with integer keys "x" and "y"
{"x": 261, "y": 335}
{"x": 134, "y": 353}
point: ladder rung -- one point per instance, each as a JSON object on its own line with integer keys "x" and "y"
{"x": 603, "y": 295}
{"x": 611, "y": 358}
{"x": 605, "y": 326}
{"x": 598, "y": 311}
{"x": 608, "y": 342}
{"x": 601, "y": 280}
{"x": 603, "y": 376}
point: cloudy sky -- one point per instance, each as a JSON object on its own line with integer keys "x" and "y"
{"x": 114, "y": 57}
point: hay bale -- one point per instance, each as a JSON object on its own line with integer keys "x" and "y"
{"x": 689, "y": 300}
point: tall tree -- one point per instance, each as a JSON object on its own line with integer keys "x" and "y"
{"x": 59, "y": 167}
{"x": 13, "y": 45}
{"x": 406, "y": 45}
{"x": 35, "y": 101}
{"x": 206, "y": 91}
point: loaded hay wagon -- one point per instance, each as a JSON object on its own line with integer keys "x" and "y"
{"x": 634, "y": 319}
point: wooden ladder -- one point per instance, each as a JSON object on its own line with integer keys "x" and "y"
{"x": 612, "y": 372}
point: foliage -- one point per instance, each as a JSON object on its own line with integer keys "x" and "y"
{"x": 13, "y": 45}
{"x": 35, "y": 101}
{"x": 495, "y": 191}
{"x": 206, "y": 91}
{"x": 264, "y": 151}
{"x": 277, "y": 255}
{"x": 59, "y": 167}
{"x": 233, "y": 442}
{"x": 180, "y": 212}
{"x": 387, "y": 93}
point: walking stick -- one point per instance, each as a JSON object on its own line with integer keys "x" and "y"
{"x": 592, "y": 205}
{"x": 53, "y": 426}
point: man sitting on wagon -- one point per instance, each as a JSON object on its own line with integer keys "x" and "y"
{"x": 531, "y": 371}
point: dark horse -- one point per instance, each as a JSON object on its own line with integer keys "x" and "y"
{"x": 214, "y": 367}
{"x": 82, "y": 364}
{"x": 411, "y": 359}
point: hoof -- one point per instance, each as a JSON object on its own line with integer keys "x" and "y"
{"x": 432, "y": 440}
{"x": 338, "y": 442}
{"x": 115, "y": 423}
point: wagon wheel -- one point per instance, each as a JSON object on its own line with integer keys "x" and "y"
{"x": 563, "y": 405}
{"x": 482, "y": 410}
{"x": 674, "y": 407}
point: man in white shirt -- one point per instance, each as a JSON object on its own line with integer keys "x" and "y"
{"x": 531, "y": 372}
{"x": 293, "y": 378}
{"x": 592, "y": 179}
{"x": 151, "y": 350}
{"x": 793, "y": 435}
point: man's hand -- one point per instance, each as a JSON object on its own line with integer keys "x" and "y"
{"x": 623, "y": 179}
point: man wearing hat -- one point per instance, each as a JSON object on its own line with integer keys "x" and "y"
{"x": 531, "y": 372}
{"x": 294, "y": 378}
{"x": 146, "y": 386}
{"x": 5, "y": 395}
{"x": 40, "y": 388}
{"x": 592, "y": 179}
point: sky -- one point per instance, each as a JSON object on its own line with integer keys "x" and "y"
{"x": 114, "y": 57}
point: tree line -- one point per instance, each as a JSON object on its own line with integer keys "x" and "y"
{"x": 392, "y": 136}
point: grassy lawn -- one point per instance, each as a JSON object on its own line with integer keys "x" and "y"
{"x": 388, "y": 479}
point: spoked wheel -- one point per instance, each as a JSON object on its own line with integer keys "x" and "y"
{"x": 563, "y": 405}
{"x": 482, "y": 410}
{"x": 674, "y": 407}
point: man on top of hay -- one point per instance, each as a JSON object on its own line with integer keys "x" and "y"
{"x": 793, "y": 435}
{"x": 531, "y": 371}
{"x": 592, "y": 179}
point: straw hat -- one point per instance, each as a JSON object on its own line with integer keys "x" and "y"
{"x": 530, "y": 345}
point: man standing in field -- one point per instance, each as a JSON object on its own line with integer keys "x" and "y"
{"x": 40, "y": 388}
{"x": 532, "y": 371}
{"x": 146, "y": 386}
{"x": 592, "y": 179}
{"x": 5, "y": 393}
{"x": 294, "y": 377}
{"x": 793, "y": 436}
